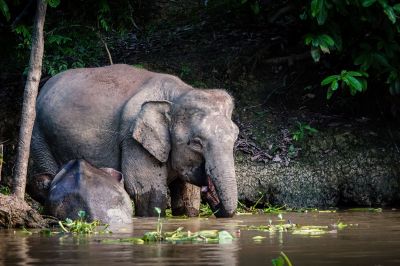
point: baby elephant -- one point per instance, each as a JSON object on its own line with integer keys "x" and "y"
{"x": 98, "y": 192}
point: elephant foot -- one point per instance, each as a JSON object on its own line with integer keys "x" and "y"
{"x": 38, "y": 187}
{"x": 188, "y": 211}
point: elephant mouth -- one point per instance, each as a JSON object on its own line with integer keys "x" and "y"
{"x": 209, "y": 194}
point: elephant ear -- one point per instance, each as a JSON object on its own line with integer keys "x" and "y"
{"x": 151, "y": 129}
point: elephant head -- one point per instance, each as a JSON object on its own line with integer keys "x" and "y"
{"x": 195, "y": 136}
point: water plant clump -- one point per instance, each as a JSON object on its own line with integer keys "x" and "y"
{"x": 179, "y": 235}
{"x": 365, "y": 210}
{"x": 81, "y": 226}
{"x": 296, "y": 229}
{"x": 282, "y": 260}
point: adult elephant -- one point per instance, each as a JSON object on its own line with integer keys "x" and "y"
{"x": 154, "y": 128}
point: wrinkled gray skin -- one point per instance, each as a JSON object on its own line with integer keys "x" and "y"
{"x": 153, "y": 127}
{"x": 98, "y": 192}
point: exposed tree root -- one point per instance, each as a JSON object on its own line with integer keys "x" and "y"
{"x": 15, "y": 212}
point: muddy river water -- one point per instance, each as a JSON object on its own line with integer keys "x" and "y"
{"x": 371, "y": 238}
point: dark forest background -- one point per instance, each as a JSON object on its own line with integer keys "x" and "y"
{"x": 297, "y": 69}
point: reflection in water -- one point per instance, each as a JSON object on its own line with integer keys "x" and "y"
{"x": 374, "y": 239}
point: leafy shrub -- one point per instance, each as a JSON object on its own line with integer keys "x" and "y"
{"x": 362, "y": 33}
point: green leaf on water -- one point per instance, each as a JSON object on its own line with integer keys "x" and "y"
{"x": 341, "y": 225}
{"x": 258, "y": 238}
{"x": 365, "y": 209}
{"x": 81, "y": 214}
{"x": 224, "y": 237}
{"x": 282, "y": 260}
{"x": 150, "y": 237}
{"x": 132, "y": 240}
{"x": 279, "y": 261}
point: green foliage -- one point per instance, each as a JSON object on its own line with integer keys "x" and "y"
{"x": 354, "y": 80}
{"x": 185, "y": 71}
{"x": 4, "y": 9}
{"x": 53, "y": 3}
{"x": 205, "y": 210}
{"x": 282, "y": 260}
{"x": 302, "y": 131}
{"x": 159, "y": 224}
{"x": 319, "y": 10}
{"x": 72, "y": 39}
{"x": 24, "y": 35}
{"x": 319, "y": 43}
{"x": 5, "y": 190}
{"x": 204, "y": 236}
{"x": 103, "y": 15}
{"x": 81, "y": 226}
{"x": 364, "y": 33}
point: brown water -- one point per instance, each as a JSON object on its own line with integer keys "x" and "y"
{"x": 374, "y": 241}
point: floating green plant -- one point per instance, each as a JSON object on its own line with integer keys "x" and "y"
{"x": 258, "y": 238}
{"x": 282, "y": 260}
{"x": 129, "y": 240}
{"x": 81, "y": 226}
{"x": 272, "y": 227}
{"x": 273, "y": 209}
{"x": 206, "y": 236}
{"x": 365, "y": 210}
{"x": 339, "y": 225}
{"x": 310, "y": 230}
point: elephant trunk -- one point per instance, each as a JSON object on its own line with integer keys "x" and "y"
{"x": 221, "y": 189}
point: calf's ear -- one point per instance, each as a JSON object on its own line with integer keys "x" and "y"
{"x": 151, "y": 128}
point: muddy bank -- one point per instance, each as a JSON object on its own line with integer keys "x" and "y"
{"x": 342, "y": 166}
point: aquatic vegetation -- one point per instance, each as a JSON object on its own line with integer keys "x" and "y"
{"x": 244, "y": 210}
{"x": 295, "y": 229}
{"x": 129, "y": 240}
{"x": 282, "y": 260}
{"x": 339, "y": 225}
{"x": 258, "y": 238}
{"x": 81, "y": 226}
{"x": 205, "y": 210}
{"x": 365, "y": 210}
{"x": 26, "y": 231}
{"x": 206, "y": 236}
{"x": 274, "y": 209}
{"x": 181, "y": 236}
{"x": 311, "y": 230}
{"x": 272, "y": 227}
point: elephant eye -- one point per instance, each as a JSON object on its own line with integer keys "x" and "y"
{"x": 196, "y": 144}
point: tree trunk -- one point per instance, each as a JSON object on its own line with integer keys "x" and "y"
{"x": 1, "y": 159}
{"x": 30, "y": 94}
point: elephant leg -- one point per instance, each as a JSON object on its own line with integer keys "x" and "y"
{"x": 145, "y": 180}
{"x": 185, "y": 198}
{"x": 44, "y": 168}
